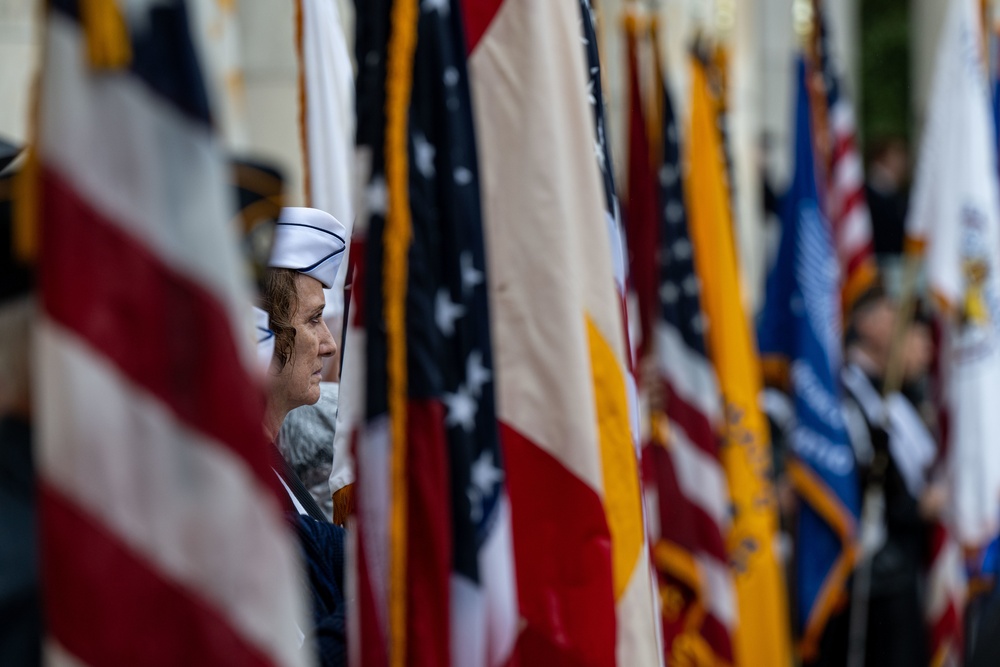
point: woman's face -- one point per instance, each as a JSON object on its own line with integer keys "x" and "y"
{"x": 298, "y": 382}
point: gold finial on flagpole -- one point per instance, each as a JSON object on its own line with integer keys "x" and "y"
{"x": 725, "y": 18}
{"x": 803, "y": 18}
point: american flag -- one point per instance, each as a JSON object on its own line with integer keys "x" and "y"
{"x": 844, "y": 202}
{"x": 686, "y": 487}
{"x": 947, "y": 593}
{"x": 435, "y": 566}
{"x": 163, "y": 540}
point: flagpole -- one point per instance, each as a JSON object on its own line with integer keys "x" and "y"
{"x": 873, "y": 503}
{"x": 904, "y": 316}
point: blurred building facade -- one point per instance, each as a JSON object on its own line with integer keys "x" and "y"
{"x": 260, "y": 42}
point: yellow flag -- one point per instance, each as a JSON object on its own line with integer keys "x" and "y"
{"x": 762, "y": 635}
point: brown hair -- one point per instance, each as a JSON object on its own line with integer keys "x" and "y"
{"x": 281, "y": 301}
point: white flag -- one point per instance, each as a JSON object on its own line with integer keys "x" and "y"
{"x": 327, "y": 90}
{"x": 955, "y": 218}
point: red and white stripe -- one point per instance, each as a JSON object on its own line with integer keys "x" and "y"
{"x": 163, "y": 541}
{"x": 946, "y": 596}
{"x": 847, "y": 208}
{"x": 700, "y": 491}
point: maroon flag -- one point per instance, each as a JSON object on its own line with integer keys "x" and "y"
{"x": 642, "y": 200}
{"x": 686, "y": 487}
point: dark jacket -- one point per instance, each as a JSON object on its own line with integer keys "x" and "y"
{"x": 20, "y": 597}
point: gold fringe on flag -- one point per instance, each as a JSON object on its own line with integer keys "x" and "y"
{"x": 343, "y": 504}
{"x": 396, "y": 240}
{"x": 106, "y": 33}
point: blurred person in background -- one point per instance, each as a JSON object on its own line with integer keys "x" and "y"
{"x": 306, "y": 442}
{"x": 894, "y": 451}
{"x": 20, "y": 595}
{"x": 887, "y": 176}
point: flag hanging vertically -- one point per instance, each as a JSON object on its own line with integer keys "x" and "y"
{"x": 685, "y": 483}
{"x": 326, "y": 93}
{"x": 163, "y": 540}
{"x": 612, "y": 212}
{"x": 370, "y": 50}
{"x": 326, "y": 126}
{"x": 762, "y": 633}
{"x": 558, "y": 338}
{"x": 639, "y": 637}
{"x": 843, "y": 184}
{"x": 217, "y": 38}
{"x": 993, "y": 49}
{"x": 954, "y": 220}
{"x": 799, "y": 327}
{"x": 641, "y": 202}
{"x": 435, "y": 580}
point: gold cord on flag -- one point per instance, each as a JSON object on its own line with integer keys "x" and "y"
{"x": 396, "y": 242}
{"x": 831, "y": 596}
{"x": 26, "y": 184}
{"x": 25, "y": 206}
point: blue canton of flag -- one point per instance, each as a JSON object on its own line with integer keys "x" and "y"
{"x": 800, "y": 324}
{"x": 994, "y": 67}
{"x": 602, "y": 149}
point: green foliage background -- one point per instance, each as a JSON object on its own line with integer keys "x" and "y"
{"x": 885, "y": 70}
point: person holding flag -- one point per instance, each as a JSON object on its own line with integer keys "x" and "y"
{"x": 894, "y": 451}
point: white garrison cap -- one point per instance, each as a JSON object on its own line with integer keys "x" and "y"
{"x": 265, "y": 338}
{"x": 309, "y": 241}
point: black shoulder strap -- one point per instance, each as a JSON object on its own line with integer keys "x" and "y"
{"x": 295, "y": 485}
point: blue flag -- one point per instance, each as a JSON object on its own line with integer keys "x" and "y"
{"x": 800, "y": 327}
{"x": 995, "y": 90}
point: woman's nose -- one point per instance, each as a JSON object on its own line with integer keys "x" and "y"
{"x": 327, "y": 345}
